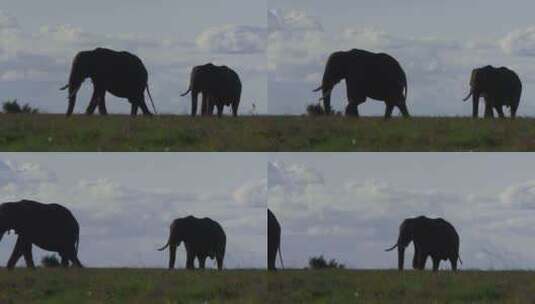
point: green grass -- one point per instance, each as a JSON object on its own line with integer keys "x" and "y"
{"x": 47, "y": 132}
{"x": 131, "y": 286}
{"x": 345, "y": 286}
{"x": 256, "y": 286}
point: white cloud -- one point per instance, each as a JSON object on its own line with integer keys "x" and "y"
{"x": 8, "y": 22}
{"x": 252, "y": 194}
{"x": 292, "y": 176}
{"x": 293, "y": 20}
{"x": 519, "y": 42}
{"x": 233, "y": 39}
{"x": 521, "y": 196}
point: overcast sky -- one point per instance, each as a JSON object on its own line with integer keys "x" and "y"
{"x": 124, "y": 203}
{"x": 438, "y": 43}
{"x": 38, "y": 41}
{"x": 348, "y": 206}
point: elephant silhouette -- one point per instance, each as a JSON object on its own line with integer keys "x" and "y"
{"x": 119, "y": 73}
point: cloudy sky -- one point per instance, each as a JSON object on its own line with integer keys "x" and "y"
{"x": 38, "y": 41}
{"x": 124, "y": 203}
{"x": 349, "y": 206}
{"x": 438, "y": 43}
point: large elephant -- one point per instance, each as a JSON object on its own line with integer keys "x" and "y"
{"x": 119, "y": 73}
{"x": 219, "y": 85}
{"x": 498, "y": 86}
{"x": 51, "y": 227}
{"x": 274, "y": 241}
{"x": 435, "y": 238}
{"x": 202, "y": 237}
{"x": 375, "y": 75}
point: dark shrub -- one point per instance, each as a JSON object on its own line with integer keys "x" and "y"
{"x": 13, "y": 107}
{"x": 321, "y": 263}
{"x": 315, "y": 109}
{"x": 50, "y": 261}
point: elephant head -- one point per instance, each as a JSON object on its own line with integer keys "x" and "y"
{"x": 7, "y": 218}
{"x": 406, "y": 236}
{"x": 335, "y": 71}
{"x": 82, "y": 68}
{"x": 479, "y": 81}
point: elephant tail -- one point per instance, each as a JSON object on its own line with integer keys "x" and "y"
{"x": 76, "y": 244}
{"x": 151, "y": 101}
{"x": 164, "y": 246}
{"x": 186, "y": 93}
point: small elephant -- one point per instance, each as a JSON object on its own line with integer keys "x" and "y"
{"x": 219, "y": 85}
{"x": 202, "y": 237}
{"x": 274, "y": 241}
{"x": 120, "y": 73}
{"x": 498, "y": 86}
{"x": 51, "y": 227}
{"x": 375, "y": 75}
{"x": 431, "y": 237}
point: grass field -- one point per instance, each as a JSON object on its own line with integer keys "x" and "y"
{"x": 131, "y": 286}
{"x": 262, "y": 133}
{"x": 340, "y": 286}
{"x": 407, "y": 287}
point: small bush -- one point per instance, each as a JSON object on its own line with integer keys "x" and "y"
{"x": 13, "y": 107}
{"x": 321, "y": 263}
{"x": 315, "y": 109}
{"x": 50, "y": 261}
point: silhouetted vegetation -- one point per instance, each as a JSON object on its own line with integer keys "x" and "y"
{"x": 50, "y": 261}
{"x": 321, "y": 263}
{"x": 13, "y": 107}
{"x": 315, "y": 109}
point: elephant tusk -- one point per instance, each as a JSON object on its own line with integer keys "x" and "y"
{"x": 317, "y": 89}
{"x": 64, "y": 87}
{"x": 468, "y": 96}
{"x": 392, "y": 248}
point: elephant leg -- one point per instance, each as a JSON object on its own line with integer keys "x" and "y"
{"x": 16, "y": 254}
{"x": 92, "y": 104}
{"x": 402, "y": 106}
{"x": 500, "y": 111}
{"x": 172, "y": 256}
{"x": 220, "y": 109}
{"x": 133, "y": 109}
{"x": 235, "y": 109}
{"x": 436, "y": 264}
{"x": 488, "y": 109}
{"x": 64, "y": 260}
{"x": 72, "y": 256}
{"x": 352, "y": 109}
{"x": 141, "y": 103}
{"x": 219, "y": 260}
{"x": 202, "y": 262}
{"x": 28, "y": 256}
{"x": 415, "y": 259}
{"x": 388, "y": 110}
{"x": 102, "y": 104}
{"x": 453, "y": 261}
{"x": 190, "y": 259}
{"x": 204, "y": 104}
{"x": 514, "y": 107}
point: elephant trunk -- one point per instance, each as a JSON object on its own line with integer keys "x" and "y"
{"x": 401, "y": 257}
{"x": 475, "y": 104}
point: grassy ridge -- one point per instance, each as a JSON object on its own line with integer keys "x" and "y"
{"x": 407, "y": 287}
{"x": 262, "y": 133}
{"x": 132, "y": 286}
{"x": 255, "y": 286}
